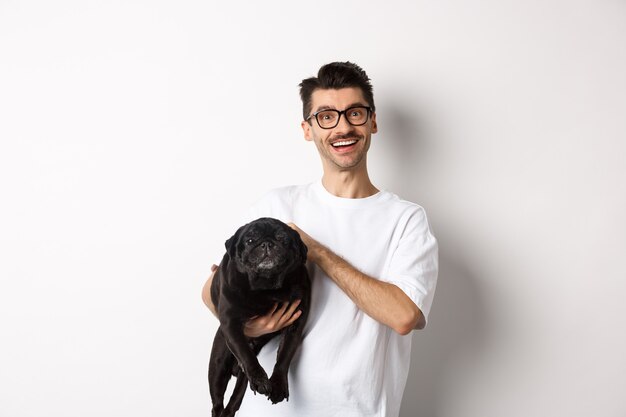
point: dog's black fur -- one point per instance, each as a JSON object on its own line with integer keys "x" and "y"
{"x": 264, "y": 264}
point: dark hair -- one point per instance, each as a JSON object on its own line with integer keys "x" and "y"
{"x": 334, "y": 76}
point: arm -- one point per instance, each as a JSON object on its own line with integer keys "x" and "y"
{"x": 382, "y": 301}
{"x": 206, "y": 291}
{"x": 281, "y": 315}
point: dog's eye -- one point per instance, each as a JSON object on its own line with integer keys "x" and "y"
{"x": 250, "y": 241}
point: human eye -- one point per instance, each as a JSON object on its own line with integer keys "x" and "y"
{"x": 328, "y": 115}
{"x": 356, "y": 112}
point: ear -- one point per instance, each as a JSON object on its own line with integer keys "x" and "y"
{"x": 306, "y": 128}
{"x": 374, "y": 125}
{"x": 231, "y": 244}
{"x": 301, "y": 247}
{"x": 303, "y": 251}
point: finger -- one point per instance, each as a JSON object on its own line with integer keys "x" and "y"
{"x": 273, "y": 310}
{"x": 281, "y": 311}
{"x": 293, "y": 318}
{"x": 297, "y": 229}
{"x": 213, "y": 268}
{"x": 292, "y": 308}
{"x": 287, "y": 315}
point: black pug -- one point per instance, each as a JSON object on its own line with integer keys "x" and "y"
{"x": 264, "y": 264}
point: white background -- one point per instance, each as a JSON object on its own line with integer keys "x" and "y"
{"x": 134, "y": 133}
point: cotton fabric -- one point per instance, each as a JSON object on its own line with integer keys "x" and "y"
{"x": 350, "y": 365}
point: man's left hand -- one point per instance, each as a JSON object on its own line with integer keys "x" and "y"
{"x": 312, "y": 245}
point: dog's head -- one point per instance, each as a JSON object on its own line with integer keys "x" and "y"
{"x": 266, "y": 250}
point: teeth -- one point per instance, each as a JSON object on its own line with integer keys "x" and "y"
{"x": 344, "y": 143}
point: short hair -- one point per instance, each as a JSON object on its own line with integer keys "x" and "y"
{"x": 334, "y": 76}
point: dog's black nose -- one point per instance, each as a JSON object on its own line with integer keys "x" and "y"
{"x": 267, "y": 245}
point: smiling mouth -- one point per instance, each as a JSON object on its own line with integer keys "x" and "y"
{"x": 343, "y": 143}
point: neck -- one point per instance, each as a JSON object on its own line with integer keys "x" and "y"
{"x": 349, "y": 183}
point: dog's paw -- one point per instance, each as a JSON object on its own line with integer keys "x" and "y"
{"x": 280, "y": 388}
{"x": 228, "y": 412}
{"x": 259, "y": 382}
{"x": 217, "y": 411}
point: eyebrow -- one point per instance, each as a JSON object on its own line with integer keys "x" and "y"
{"x": 326, "y": 107}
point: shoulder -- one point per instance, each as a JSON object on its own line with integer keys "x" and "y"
{"x": 404, "y": 208}
{"x": 283, "y": 194}
{"x": 411, "y": 221}
{"x": 277, "y": 203}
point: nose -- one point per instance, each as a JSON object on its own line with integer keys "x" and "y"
{"x": 343, "y": 127}
{"x": 343, "y": 123}
{"x": 267, "y": 245}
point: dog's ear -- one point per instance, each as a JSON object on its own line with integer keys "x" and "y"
{"x": 231, "y": 244}
{"x": 299, "y": 244}
{"x": 303, "y": 251}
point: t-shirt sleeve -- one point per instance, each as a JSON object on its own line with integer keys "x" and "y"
{"x": 414, "y": 265}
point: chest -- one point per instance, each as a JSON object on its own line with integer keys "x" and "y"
{"x": 365, "y": 238}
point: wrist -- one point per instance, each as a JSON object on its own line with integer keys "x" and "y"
{"x": 316, "y": 253}
{"x": 326, "y": 259}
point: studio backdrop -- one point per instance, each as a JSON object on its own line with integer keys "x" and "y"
{"x": 134, "y": 134}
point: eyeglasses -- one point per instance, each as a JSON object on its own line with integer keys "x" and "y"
{"x": 329, "y": 118}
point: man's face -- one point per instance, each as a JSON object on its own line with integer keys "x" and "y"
{"x": 343, "y": 147}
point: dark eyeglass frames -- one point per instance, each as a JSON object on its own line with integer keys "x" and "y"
{"x": 329, "y": 118}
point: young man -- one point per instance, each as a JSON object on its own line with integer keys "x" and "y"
{"x": 373, "y": 264}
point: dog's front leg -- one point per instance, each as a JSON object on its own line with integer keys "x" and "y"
{"x": 220, "y": 366}
{"x": 290, "y": 340}
{"x": 238, "y": 345}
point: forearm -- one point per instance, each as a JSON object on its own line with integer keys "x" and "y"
{"x": 380, "y": 300}
{"x": 206, "y": 293}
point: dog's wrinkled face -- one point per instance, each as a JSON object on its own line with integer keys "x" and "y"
{"x": 266, "y": 250}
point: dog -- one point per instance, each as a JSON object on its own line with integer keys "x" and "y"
{"x": 264, "y": 264}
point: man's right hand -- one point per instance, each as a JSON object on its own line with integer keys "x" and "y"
{"x": 279, "y": 317}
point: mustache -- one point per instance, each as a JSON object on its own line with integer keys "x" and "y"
{"x": 349, "y": 135}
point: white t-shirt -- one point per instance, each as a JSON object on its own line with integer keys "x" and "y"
{"x": 348, "y": 363}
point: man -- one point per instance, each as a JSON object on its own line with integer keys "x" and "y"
{"x": 373, "y": 263}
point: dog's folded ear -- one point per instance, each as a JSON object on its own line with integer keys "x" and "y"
{"x": 297, "y": 241}
{"x": 303, "y": 251}
{"x": 231, "y": 243}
